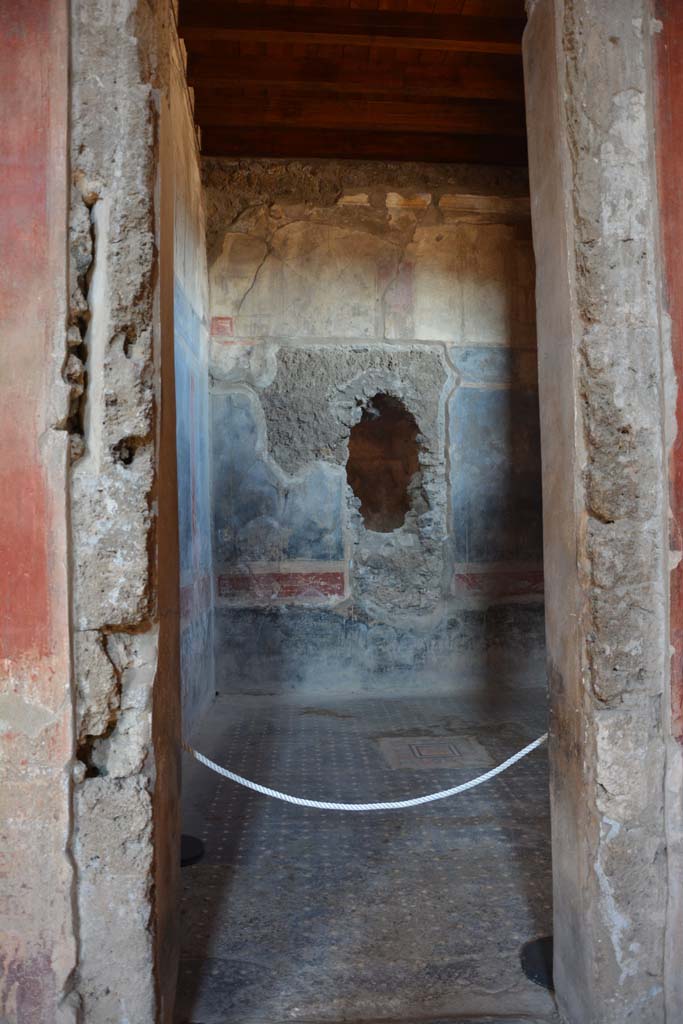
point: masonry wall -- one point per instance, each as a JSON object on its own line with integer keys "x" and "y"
{"x": 123, "y": 495}
{"x": 191, "y": 345}
{"x": 330, "y": 284}
{"x": 606, "y": 386}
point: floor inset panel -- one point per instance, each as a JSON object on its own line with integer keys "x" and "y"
{"x": 429, "y": 752}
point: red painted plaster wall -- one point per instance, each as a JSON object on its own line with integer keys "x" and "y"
{"x": 670, "y": 168}
{"x": 24, "y": 618}
{"x": 37, "y": 949}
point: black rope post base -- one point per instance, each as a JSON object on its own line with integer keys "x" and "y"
{"x": 537, "y": 962}
{"x": 191, "y": 850}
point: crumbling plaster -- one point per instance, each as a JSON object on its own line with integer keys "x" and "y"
{"x": 234, "y": 186}
{"x": 314, "y": 400}
{"x": 123, "y": 539}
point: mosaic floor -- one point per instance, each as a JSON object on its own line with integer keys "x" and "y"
{"x": 419, "y": 915}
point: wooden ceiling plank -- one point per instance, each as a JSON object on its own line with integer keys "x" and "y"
{"x": 260, "y": 108}
{"x": 455, "y": 79}
{"x": 200, "y": 19}
{"x": 401, "y": 146}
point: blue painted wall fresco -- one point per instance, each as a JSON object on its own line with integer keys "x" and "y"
{"x": 194, "y": 514}
{"x": 260, "y": 514}
{"x": 495, "y": 366}
{"x": 495, "y": 458}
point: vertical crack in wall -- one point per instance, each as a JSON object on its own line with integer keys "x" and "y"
{"x": 69, "y": 417}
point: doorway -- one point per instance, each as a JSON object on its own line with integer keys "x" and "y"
{"x": 377, "y": 546}
{"x": 585, "y": 296}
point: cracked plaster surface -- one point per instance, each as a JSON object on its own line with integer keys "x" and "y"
{"x": 397, "y": 266}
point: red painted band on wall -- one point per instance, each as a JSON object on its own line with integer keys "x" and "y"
{"x": 501, "y": 582}
{"x": 281, "y": 586}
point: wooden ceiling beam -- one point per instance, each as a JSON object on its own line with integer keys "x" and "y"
{"x": 218, "y": 19}
{"x": 464, "y": 77}
{"x": 309, "y": 143}
{"x": 258, "y": 108}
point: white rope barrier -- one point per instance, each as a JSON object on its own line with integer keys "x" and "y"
{"x": 392, "y": 805}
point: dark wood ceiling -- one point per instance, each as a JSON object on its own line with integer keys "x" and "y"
{"x": 434, "y": 80}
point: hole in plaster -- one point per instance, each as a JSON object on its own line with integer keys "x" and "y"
{"x": 384, "y": 459}
{"x": 129, "y": 341}
{"x": 84, "y": 752}
{"x": 124, "y": 450}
